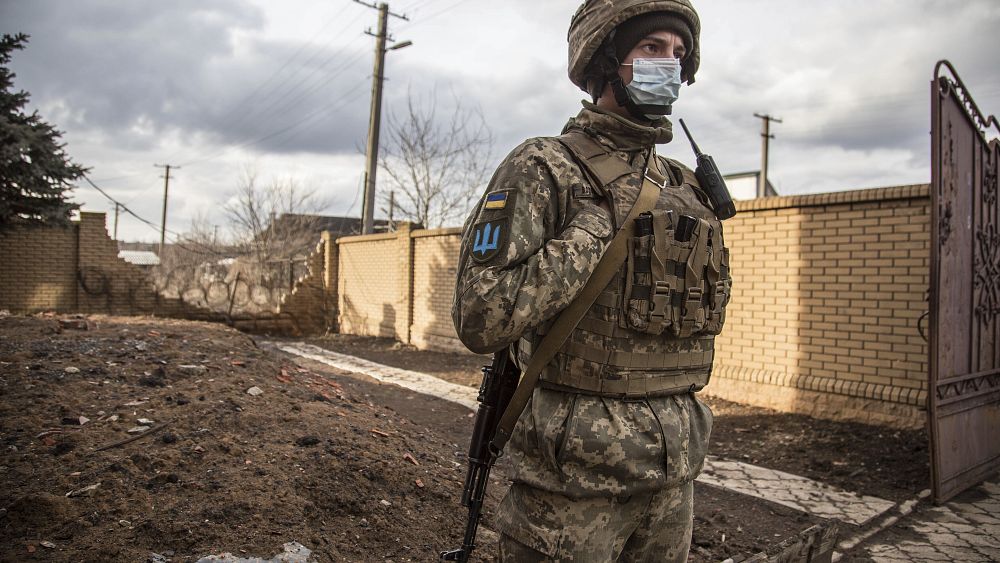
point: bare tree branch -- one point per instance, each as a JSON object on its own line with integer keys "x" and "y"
{"x": 435, "y": 165}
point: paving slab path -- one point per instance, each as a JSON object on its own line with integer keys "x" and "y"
{"x": 965, "y": 530}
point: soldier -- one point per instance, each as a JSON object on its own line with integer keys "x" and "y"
{"x": 605, "y": 453}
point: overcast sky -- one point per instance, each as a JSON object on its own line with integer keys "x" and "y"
{"x": 214, "y": 86}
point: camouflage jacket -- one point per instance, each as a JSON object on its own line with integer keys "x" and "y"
{"x": 535, "y": 258}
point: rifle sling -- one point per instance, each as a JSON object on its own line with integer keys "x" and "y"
{"x": 606, "y": 269}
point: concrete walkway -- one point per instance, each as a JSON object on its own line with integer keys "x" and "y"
{"x": 800, "y": 493}
{"x": 967, "y": 530}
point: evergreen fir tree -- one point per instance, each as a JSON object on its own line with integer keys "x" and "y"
{"x": 36, "y": 174}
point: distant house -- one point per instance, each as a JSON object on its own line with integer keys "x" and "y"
{"x": 744, "y": 185}
{"x": 317, "y": 224}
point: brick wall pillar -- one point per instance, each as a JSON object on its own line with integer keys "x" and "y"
{"x": 331, "y": 264}
{"x": 404, "y": 320}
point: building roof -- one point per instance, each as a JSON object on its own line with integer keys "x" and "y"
{"x": 338, "y": 226}
{"x": 743, "y": 185}
{"x": 139, "y": 257}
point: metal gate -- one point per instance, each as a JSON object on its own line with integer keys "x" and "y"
{"x": 964, "y": 389}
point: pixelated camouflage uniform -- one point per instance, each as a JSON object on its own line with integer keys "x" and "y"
{"x": 595, "y": 478}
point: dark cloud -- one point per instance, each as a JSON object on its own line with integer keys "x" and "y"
{"x": 138, "y": 70}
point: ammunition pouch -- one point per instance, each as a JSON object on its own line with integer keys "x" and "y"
{"x": 677, "y": 278}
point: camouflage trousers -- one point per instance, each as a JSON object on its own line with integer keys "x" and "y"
{"x": 599, "y": 480}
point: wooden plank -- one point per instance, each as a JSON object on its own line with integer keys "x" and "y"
{"x": 813, "y": 545}
{"x": 955, "y": 258}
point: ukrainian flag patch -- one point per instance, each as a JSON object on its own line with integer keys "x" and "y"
{"x": 496, "y": 200}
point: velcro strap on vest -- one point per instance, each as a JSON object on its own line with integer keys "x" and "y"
{"x": 602, "y": 327}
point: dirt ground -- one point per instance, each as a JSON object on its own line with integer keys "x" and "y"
{"x": 354, "y": 470}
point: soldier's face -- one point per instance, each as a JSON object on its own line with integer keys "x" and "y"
{"x": 656, "y": 45}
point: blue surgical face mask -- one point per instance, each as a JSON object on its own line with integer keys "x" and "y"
{"x": 655, "y": 82}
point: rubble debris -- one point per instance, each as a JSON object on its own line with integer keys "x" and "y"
{"x": 138, "y": 435}
{"x": 306, "y": 441}
{"x": 192, "y": 369}
{"x": 71, "y": 370}
{"x": 255, "y": 391}
{"x": 293, "y": 552}
{"x": 156, "y": 378}
{"x": 74, "y": 324}
{"x": 75, "y": 420}
{"x": 83, "y": 491}
{"x": 409, "y": 457}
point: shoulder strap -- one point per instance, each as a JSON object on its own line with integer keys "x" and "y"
{"x": 606, "y": 269}
{"x": 594, "y": 158}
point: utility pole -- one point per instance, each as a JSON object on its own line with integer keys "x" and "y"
{"x": 766, "y": 137}
{"x": 375, "y": 117}
{"x": 166, "y": 191}
{"x": 117, "y": 205}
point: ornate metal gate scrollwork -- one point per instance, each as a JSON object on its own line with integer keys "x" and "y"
{"x": 964, "y": 324}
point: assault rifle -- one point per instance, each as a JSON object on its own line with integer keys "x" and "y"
{"x": 499, "y": 381}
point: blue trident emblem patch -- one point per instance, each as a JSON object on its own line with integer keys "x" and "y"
{"x": 488, "y": 236}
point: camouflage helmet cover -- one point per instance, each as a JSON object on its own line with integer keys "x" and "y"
{"x": 595, "y": 19}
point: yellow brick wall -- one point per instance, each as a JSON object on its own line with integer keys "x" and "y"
{"x": 435, "y": 264}
{"x": 114, "y": 286}
{"x": 307, "y": 306}
{"x": 77, "y": 269}
{"x": 369, "y": 285}
{"x": 38, "y": 269}
{"x": 827, "y": 293}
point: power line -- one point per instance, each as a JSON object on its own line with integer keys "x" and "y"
{"x": 315, "y": 113}
{"x": 291, "y": 104}
{"x": 271, "y": 92}
{"x": 424, "y": 19}
{"x": 271, "y": 95}
{"x": 154, "y": 226}
{"x": 280, "y": 98}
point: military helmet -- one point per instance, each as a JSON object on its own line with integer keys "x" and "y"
{"x": 596, "y": 19}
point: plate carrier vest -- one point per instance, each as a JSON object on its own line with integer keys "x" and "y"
{"x": 652, "y": 330}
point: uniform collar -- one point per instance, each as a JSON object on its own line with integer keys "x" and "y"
{"x": 618, "y": 132}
